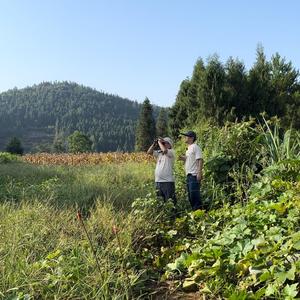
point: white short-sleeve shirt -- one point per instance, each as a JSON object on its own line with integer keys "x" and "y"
{"x": 192, "y": 154}
{"x": 164, "y": 166}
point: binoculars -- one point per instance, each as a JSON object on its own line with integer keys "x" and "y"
{"x": 156, "y": 141}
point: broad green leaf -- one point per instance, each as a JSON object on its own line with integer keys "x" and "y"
{"x": 297, "y": 245}
{"x": 291, "y": 290}
{"x": 279, "y": 207}
{"x": 247, "y": 248}
{"x": 291, "y": 273}
{"x": 179, "y": 264}
{"x": 260, "y": 293}
{"x": 265, "y": 276}
{"x": 270, "y": 290}
{"x": 281, "y": 276}
{"x": 296, "y": 236}
{"x": 259, "y": 241}
{"x": 190, "y": 285}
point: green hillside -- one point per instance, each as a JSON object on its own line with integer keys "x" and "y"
{"x": 42, "y": 113}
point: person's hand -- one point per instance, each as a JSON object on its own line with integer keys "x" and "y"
{"x": 199, "y": 176}
{"x": 182, "y": 157}
{"x": 155, "y": 142}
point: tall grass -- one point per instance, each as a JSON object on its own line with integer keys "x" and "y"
{"x": 279, "y": 146}
{"x": 44, "y": 252}
{"x": 70, "y": 186}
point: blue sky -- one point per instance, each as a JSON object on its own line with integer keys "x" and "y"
{"x": 137, "y": 48}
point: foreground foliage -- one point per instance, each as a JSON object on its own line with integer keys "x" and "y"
{"x": 247, "y": 251}
{"x": 245, "y": 246}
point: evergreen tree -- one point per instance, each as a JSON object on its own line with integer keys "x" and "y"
{"x": 14, "y": 146}
{"x": 236, "y": 88}
{"x": 213, "y": 105}
{"x": 145, "y": 132}
{"x": 79, "y": 143}
{"x": 284, "y": 86}
{"x": 195, "y": 93}
{"x": 259, "y": 84}
{"x": 179, "y": 112}
{"x": 220, "y": 93}
{"x": 162, "y": 129}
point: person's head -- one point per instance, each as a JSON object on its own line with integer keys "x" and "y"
{"x": 168, "y": 142}
{"x": 190, "y": 137}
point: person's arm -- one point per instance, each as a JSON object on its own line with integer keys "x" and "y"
{"x": 200, "y": 166}
{"x": 199, "y": 160}
{"x": 151, "y": 148}
{"x": 162, "y": 147}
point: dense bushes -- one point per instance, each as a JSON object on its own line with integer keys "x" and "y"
{"x": 248, "y": 245}
{"x": 236, "y": 154}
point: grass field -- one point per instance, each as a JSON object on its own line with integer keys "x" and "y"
{"x": 43, "y": 249}
{"x": 246, "y": 246}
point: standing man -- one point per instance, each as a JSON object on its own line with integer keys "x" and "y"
{"x": 164, "y": 177}
{"x": 193, "y": 169}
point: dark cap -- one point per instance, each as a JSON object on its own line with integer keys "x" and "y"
{"x": 190, "y": 134}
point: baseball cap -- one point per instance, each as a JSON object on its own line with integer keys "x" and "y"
{"x": 190, "y": 134}
{"x": 167, "y": 139}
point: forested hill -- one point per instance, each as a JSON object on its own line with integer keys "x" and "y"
{"x": 46, "y": 112}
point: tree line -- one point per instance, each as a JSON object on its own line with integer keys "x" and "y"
{"x": 227, "y": 92}
{"x": 78, "y": 142}
{"x": 218, "y": 92}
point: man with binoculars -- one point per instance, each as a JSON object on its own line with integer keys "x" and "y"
{"x": 164, "y": 177}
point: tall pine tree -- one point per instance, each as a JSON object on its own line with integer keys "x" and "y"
{"x": 260, "y": 84}
{"x": 284, "y": 85}
{"x": 179, "y": 111}
{"x": 162, "y": 129}
{"x": 194, "y": 94}
{"x": 213, "y": 90}
{"x": 236, "y": 88}
{"x": 146, "y": 131}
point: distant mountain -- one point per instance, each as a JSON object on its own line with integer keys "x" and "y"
{"x": 46, "y": 112}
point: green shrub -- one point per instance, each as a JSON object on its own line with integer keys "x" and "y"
{"x": 6, "y": 157}
{"x": 236, "y": 154}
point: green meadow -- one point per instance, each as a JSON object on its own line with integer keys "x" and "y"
{"x": 246, "y": 245}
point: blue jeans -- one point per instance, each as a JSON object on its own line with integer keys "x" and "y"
{"x": 193, "y": 188}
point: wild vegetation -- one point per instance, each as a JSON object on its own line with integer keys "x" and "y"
{"x": 89, "y": 226}
{"x": 245, "y": 246}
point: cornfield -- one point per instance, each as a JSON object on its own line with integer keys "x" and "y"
{"x": 86, "y": 158}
